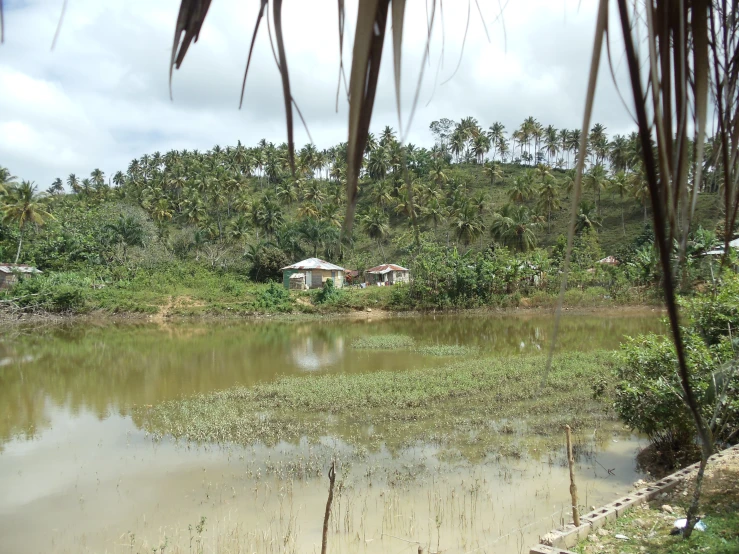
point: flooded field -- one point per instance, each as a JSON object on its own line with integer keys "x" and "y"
{"x": 87, "y": 464}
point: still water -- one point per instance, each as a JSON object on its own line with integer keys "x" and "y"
{"x": 78, "y": 475}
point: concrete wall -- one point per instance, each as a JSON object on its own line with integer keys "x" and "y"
{"x": 312, "y": 275}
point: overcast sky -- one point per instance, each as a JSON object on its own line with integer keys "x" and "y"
{"x": 101, "y": 97}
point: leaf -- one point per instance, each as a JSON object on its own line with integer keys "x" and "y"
{"x": 368, "y": 41}
{"x": 189, "y": 21}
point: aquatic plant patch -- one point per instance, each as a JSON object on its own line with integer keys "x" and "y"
{"x": 383, "y": 342}
{"x": 455, "y": 406}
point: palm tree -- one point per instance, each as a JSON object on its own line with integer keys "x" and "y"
{"x": 375, "y": 224}
{"x": 564, "y": 142}
{"x": 522, "y": 188}
{"x": 434, "y": 212}
{"x": 314, "y": 232}
{"x": 269, "y": 215}
{"x": 437, "y": 174}
{"x": 513, "y": 226}
{"x": 620, "y": 183}
{"x": 73, "y": 183}
{"x": 549, "y": 198}
{"x": 496, "y": 134}
{"x": 587, "y": 218}
{"x": 551, "y": 142}
{"x": 57, "y": 187}
{"x": 7, "y": 180}
{"x": 468, "y": 224}
{"x": 492, "y": 170}
{"x": 127, "y": 232}
{"x": 640, "y": 188}
{"x": 596, "y": 179}
{"x": 24, "y": 206}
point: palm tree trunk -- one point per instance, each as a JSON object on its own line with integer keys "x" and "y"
{"x": 20, "y": 242}
{"x": 623, "y": 220}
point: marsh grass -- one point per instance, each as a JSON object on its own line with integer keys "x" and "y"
{"x": 457, "y": 407}
{"x": 448, "y": 350}
{"x": 383, "y": 342}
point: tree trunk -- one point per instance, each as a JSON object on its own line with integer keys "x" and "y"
{"x": 623, "y": 219}
{"x": 20, "y": 243}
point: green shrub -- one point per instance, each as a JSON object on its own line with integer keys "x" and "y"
{"x": 273, "y": 298}
{"x": 649, "y": 397}
{"x": 55, "y": 292}
{"x": 329, "y": 294}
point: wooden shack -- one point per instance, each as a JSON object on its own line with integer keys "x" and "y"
{"x": 387, "y": 274}
{"x": 315, "y": 272}
{"x": 11, "y": 273}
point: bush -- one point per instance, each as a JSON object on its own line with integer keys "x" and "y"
{"x": 649, "y": 394}
{"x": 273, "y": 298}
{"x": 267, "y": 264}
{"x": 329, "y": 294}
{"x": 56, "y": 292}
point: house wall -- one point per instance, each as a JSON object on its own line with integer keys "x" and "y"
{"x": 7, "y": 280}
{"x": 392, "y": 278}
{"x": 337, "y": 276}
{"x": 313, "y": 274}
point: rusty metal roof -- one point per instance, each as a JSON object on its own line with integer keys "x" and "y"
{"x": 314, "y": 263}
{"x": 384, "y": 268}
{"x": 18, "y": 268}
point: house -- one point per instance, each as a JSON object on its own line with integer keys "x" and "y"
{"x": 387, "y": 274}
{"x": 719, "y": 250}
{"x": 609, "y": 260}
{"x": 9, "y": 273}
{"x": 352, "y": 276}
{"x": 312, "y": 274}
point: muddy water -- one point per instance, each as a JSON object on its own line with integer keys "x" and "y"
{"x": 77, "y": 475}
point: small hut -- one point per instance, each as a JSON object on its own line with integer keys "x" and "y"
{"x": 719, "y": 250}
{"x": 387, "y": 274}
{"x": 312, "y": 274}
{"x": 10, "y": 273}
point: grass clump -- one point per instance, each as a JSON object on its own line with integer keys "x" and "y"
{"x": 383, "y": 342}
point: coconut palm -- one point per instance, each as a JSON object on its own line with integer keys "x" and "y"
{"x": 548, "y": 198}
{"x": 24, "y": 206}
{"x": 126, "y": 231}
{"x": 620, "y": 184}
{"x": 512, "y": 226}
{"x": 434, "y": 212}
{"x": 57, "y": 187}
{"x": 587, "y": 218}
{"x": 492, "y": 170}
{"x": 522, "y": 188}
{"x": 468, "y": 224}
{"x": 596, "y": 180}
{"x": 375, "y": 224}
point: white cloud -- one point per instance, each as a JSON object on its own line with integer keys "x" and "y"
{"x": 102, "y": 97}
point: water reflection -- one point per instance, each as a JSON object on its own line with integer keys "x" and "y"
{"x": 108, "y": 369}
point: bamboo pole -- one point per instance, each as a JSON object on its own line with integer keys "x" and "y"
{"x": 573, "y": 487}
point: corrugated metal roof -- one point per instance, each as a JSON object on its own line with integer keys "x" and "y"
{"x": 384, "y": 268}
{"x": 18, "y": 268}
{"x": 720, "y": 250}
{"x": 314, "y": 263}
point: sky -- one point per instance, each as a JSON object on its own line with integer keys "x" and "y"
{"x": 101, "y": 97}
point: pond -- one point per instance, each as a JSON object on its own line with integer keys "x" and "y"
{"x": 83, "y": 468}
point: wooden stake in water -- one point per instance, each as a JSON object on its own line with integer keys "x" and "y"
{"x": 573, "y": 487}
{"x": 327, "y": 515}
